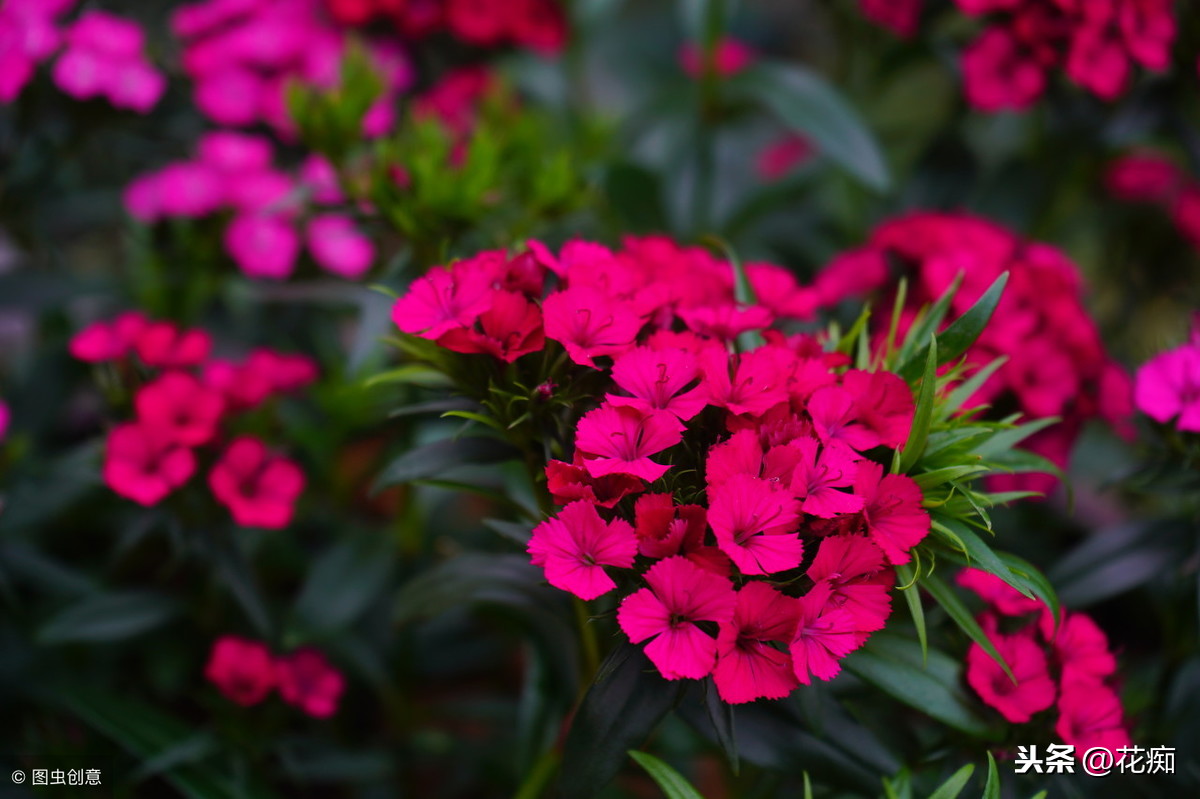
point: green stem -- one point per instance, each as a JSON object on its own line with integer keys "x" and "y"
{"x": 587, "y": 635}
{"x": 539, "y": 776}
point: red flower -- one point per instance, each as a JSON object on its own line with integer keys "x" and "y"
{"x": 512, "y": 327}
{"x": 259, "y": 488}
{"x": 1034, "y": 689}
{"x": 748, "y": 666}
{"x": 242, "y": 670}
{"x": 898, "y": 16}
{"x": 892, "y": 510}
{"x": 538, "y": 25}
{"x": 482, "y": 22}
{"x": 1090, "y": 715}
{"x": 568, "y": 482}
{"x": 181, "y": 407}
{"x": 309, "y": 682}
{"x": 620, "y": 440}
{"x": 145, "y": 464}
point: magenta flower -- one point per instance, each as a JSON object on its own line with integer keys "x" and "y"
{"x": 824, "y": 635}
{"x": 774, "y": 163}
{"x": 659, "y": 380}
{"x": 729, "y": 57}
{"x": 308, "y": 681}
{"x": 858, "y": 578}
{"x": 574, "y": 547}
{"x": 819, "y": 472}
{"x": 104, "y": 58}
{"x": 1090, "y": 715}
{"x": 755, "y": 525}
{"x": 836, "y": 417}
{"x": 748, "y": 666}
{"x": 1144, "y": 177}
{"x": 181, "y": 408}
{"x": 998, "y": 594}
{"x": 750, "y": 383}
{"x": 259, "y": 488}
{"x": 108, "y": 341}
{"x": 617, "y": 439}
{"x": 727, "y": 321}
{"x": 263, "y": 245}
{"x": 884, "y": 404}
{"x": 338, "y": 247}
{"x": 892, "y": 510}
{"x": 1168, "y": 387}
{"x": 242, "y": 670}
{"x": 590, "y": 324}
{"x": 999, "y": 74}
{"x": 510, "y": 328}
{"x": 568, "y": 482}
{"x": 5, "y": 418}
{"x": 898, "y": 16}
{"x": 1081, "y": 648}
{"x": 442, "y": 300}
{"x": 1034, "y": 690}
{"x": 166, "y": 346}
{"x": 679, "y": 595}
{"x": 145, "y": 464}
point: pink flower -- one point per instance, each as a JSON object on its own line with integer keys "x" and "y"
{"x": 308, "y": 681}
{"x": 858, "y": 578}
{"x": 1144, "y": 177}
{"x": 5, "y": 417}
{"x": 892, "y": 510}
{"x": 104, "y": 58}
{"x": 108, "y": 341}
{"x": 755, "y": 525}
{"x": 1149, "y": 29}
{"x": 233, "y": 153}
{"x": 898, "y": 16}
{"x": 568, "y": 482}
{"x": 818, "y": 474}
{"x": 1098, "y": 62}
{"x": 539, "y": 25}
{"x": 659, "y": 380}
{"x": 729, "y": 57}
{"x": 242, "y": 670}
{"x": 884, "y": 404}
{"x": 259, "y": 489}
{"x": 574, "y": 547}
{"x": 751, "y": 382}
{"x": 188, "y": 189}
{"x": 338, "y": 247}
{"x": 837, "y": 417}
{"x": 263, "y": 245}
{"x": 679, "y": 595}
{"x": 144, "y": 464}
{"x": 1186, "y": 214}
{"x": 727, "y": 321}
{"x": 999, "y": 74}
{"x": 163, "y": 345}
{"x": 1034, "y": 689}
{"x": 999, "y": 595}
{"x": 1081, "y": 648}
{"x": 1168, "y": 387}
{"x": 590, "y": 324}
{"x": 748, "y": 667}
{"x": 621, "y": 440}
{"x": 1090, "y": 715}
{"x": 780, "y": 157}
{"x": 442, "y": 300}
{"x": 824, "y": 635}
{"x": 181, "y": 408}
{"x": 510, "y": 328}
{"x": 479, "y": 22}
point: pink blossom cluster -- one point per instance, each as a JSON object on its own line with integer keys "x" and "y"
{"x": 1056, "y": 362}
{"x": 1097, "y": 43}
{"x": 1068, "y": 667}
{"x": 1153, "y": 178}
{"x": 731, "y": 494}
{"x": 536, "y": 24}
{"x": 901, "y": 17}
{"x": 5, "y": 418}
{"x": 241, "y": 54}
{"x": 179, "y": 411}
{"x": 234, "y": 174}
{"x": 102, "y": 55}
{"x": 246, "y": 672}
{"x": 729, "y": 57}
{"x": 1167, "y": 387}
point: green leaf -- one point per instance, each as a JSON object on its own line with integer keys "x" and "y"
{"x": 918, "y": 434}
{"x": 109, "y": 617}
{"x": 1117, "y": 559}
{"x": 962, "y": 332}
{"x": 1006, "y": 440}
{"x": 809, "y": 105}
{"x": 721, "y": 715}
{"x": 951, "y": 788}
{"x": 439, "y": 457}
{"x": 968, "y": 387}
{"x": 345, "y": 580}
{"x": 928, "y": 480}
{"x": 906, "y": 575}
{"x": 944, "y": 595}
{"x": 894, "y": 665}
{"x": 929, "y": 320}
{"x": 635, "y": 197}
{"x": 622, "y": 707}
{"x": 991, "y": 789}
{"x": 410, "y": 375}
{"x": 673, "y": 784}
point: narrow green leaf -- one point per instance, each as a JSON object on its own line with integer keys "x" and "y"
{"x": 412, "y": 375}
{"x": 968, "y": 387}
{"x": 928, "y": 480}
{"x": 440, "y": 457}
{"x": 944, "y": 595}
{"x": 808, "y": 791}
{"x": 109, "y": 617}
{"x": 673, "y": 784}
{"x": 923, "y": 415}
{"x": 951, "y": 788}
{"x": 720, "y": 714}
{"x": 345, "y": 580}
{"x": 991, "y": 789}
{"x": 808, "y": 104}
{"x": 962, "y": 332}
{"x": 929, "y": 320}
{"x": 472, "y": 416}
{"x": 906, "y": 576}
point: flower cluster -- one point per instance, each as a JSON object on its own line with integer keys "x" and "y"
{"x": 246, "y": 672}
{"x": 729, "y": 57}
{"x": 1168, "y": 386}
{"x": 1097, "y": 44}
{"x": 901, "y": 17}
{"x": 1056, "y": 363}
{"x": 242, "y": 54}
{"x": 102, "y": 55}
{"x": 234, "y": 172}
{"x": 1067, "y": 666}
{"x": 1148, "y": 177}
{"x": 180, "y": 409}
{"x": 735, "y": 496}
{"x": 536, "y": 24}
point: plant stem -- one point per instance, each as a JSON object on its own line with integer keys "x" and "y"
{"x": 587, "y": 635}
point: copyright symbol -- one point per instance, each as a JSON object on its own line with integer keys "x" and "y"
{"x": 18, "y": 777}
{"x": 1097, "y": 761}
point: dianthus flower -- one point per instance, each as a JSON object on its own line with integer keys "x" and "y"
{"x": 145, "y": 464}
{"x": 308, "y": 681}
{"x": 242, "y": 670}
{"x": 575, "y": 546}
{"x": 259, "y": 488}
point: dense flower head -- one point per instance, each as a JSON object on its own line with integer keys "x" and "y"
{"x": 1097, "y": 45}
{"x": 898, "y": 16}
{"x": 247, "y": 672}
{"x": 728, "y": 495}
{"x": 1167, "y": 387}
{"x": 1156, "y": 179}
{"x": 1056, "y": 364}
{"x": 270, "y": 213}
{"x": 1063, "y": 664}
{"x": 728, "y": 58}
{"x": 307, "y": 680}
{"x": 184, "y": 405}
